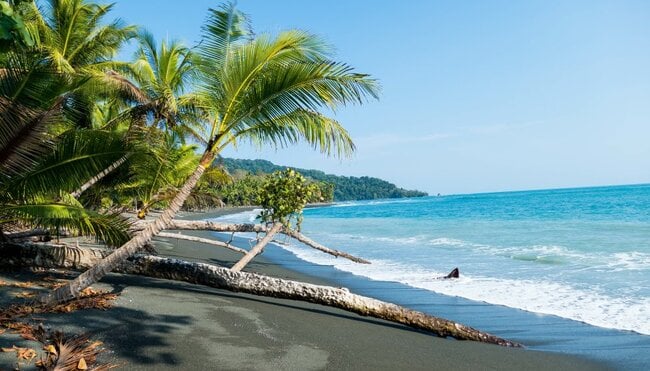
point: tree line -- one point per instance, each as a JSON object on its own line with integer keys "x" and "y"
{"x": 334, "y": 187}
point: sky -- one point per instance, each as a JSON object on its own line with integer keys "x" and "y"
{"x": 477, "y": 96}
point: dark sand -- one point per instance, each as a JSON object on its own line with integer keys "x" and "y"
{"x": 160, "y": 325}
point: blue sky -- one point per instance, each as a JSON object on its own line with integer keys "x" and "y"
{"x": 477, "y": 96}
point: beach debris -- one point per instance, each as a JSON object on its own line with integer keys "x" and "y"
{"x": 61, "y": 352}
{"x": 25, "y": 330}
{"x": 256, "y": 284}
{"x": 224, "y": 278}
{"x": 81, "y": 365}
{"x": 71, "y": 353}
{"x": 21, "y": 353}
{"x": 25, "y": 294}
{"x": 202, "y": 225}
{"x": 50, "y": 349}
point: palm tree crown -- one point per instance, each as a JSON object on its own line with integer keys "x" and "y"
{"x": 73, "y": 35}
{"x": 270, "y": 89}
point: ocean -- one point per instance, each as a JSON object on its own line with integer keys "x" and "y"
{"x": 578, "y": 254}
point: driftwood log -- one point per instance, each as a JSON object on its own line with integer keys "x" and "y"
{"x": 206, "y": 241}
{"x": 311, "y": 243}
{"x": 50, "y": 256}
{"x": 202, "y": 225}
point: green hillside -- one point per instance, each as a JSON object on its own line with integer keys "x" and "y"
{"x": 345, "y": 188}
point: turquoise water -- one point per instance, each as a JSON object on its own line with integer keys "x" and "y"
{"x": 581, "y": 254}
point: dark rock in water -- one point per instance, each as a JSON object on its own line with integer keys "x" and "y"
{"x": 455, "y": 273}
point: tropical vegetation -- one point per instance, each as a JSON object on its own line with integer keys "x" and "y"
{"x": 86, "y": 137}
{"x": 245, "y": 189}
{"x": 332, "y": 187}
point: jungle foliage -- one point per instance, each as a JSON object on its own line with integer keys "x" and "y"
{"x": 344, "y": 188}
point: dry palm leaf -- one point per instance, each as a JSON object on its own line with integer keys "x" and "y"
{"x": 75, "y": 353}
{"x": 21, "y": 353}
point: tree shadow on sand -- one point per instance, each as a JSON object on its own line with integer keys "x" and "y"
{"x": 140, "y": 336}
{"x": 134, "y": 335}
{"x": 121, "y": 281}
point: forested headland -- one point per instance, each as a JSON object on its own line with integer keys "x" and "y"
{"x": 333, "y": 187}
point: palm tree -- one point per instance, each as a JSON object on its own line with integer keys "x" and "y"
{"x": 160, "y": 75}
{"x": 263, "y": 89}
{"x": 37, "y": 161}
{"x": 158, "y": 176}
{"x": 76, "y": 40}
{"x": 163, "y": 73}
{"x": 46, "y": 88}
{"x": 45, "y": 91}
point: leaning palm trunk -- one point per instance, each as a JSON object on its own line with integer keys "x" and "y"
{"x": 99, "y": 176}
{"x": 106, "y": 265}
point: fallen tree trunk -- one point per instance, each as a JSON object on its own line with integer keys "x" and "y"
{"x": 311, "y": 243}
{"x": 222, "y": 278}
{"x": 257, "y": 249}
{"x": 202, "y": 240}
{"x": 202, "y": 225}
{"x": 50, "y": 255}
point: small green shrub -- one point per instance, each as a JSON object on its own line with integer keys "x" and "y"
{"x": 283, "y": 196}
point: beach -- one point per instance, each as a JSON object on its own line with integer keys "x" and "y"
{"x": 158, "y": 324}
{"x": 486, "y": 179}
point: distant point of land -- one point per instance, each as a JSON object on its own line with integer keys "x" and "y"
{"x": 345, "y": 188}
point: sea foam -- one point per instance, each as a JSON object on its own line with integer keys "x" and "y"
{"x": 574, "y": 254}
{"x": 545, "y": 297}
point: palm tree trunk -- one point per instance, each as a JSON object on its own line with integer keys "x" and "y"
{"x": 256, "y": 284}
{"x": 106, "y": 265}
{"x": 99, "y": 176}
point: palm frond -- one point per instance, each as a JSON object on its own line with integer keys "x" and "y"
{"x": 321, "y": 132}
{"x": 24, "y": 136}
{"x": 78, "y": 156}
{"x": 309, "y": 86}
{"x": 224, "y": 27}
{"x": 25, "y": 79}
{"x": 110, "y": 228}
{"x": 271, "y": 81}
{"x": 76, "y": 36}
{"x": 117, "y": 83}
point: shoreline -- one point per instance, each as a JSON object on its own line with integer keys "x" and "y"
{"x": 158, "y": 324}
{"x": 281, "y": 263}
